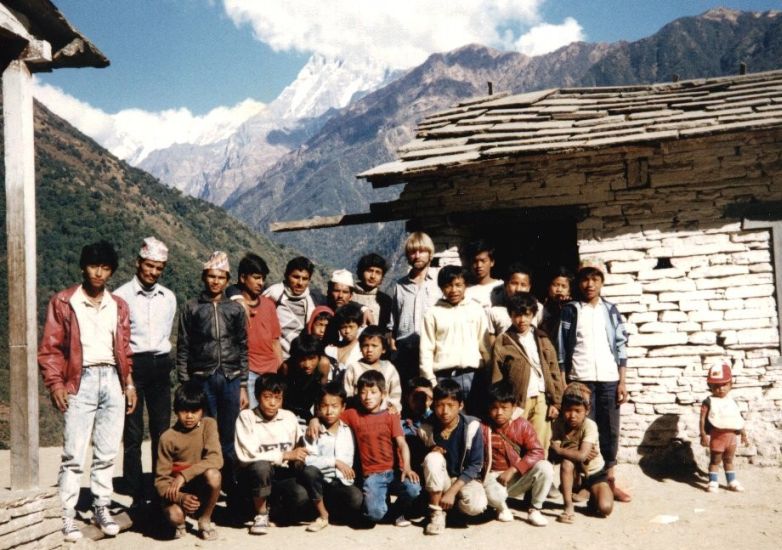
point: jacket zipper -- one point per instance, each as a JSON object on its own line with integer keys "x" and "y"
{"x": 219, "y": 343}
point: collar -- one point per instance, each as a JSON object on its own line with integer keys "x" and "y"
{"x": 341, "y": 426}
{"x": 260, "y": 418}
{"x": 138, "y": 288}
{"x": 428, "y": 277}
{"x": 81, "y": 296}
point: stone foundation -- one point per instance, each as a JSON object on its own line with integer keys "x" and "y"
{"x": 30, "y": 520}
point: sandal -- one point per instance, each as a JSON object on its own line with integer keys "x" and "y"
{"x": 566, "y": 517}
{"x": 207, "y": 532}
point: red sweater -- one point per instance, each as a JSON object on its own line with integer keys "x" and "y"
{"x": 520, "y": 432}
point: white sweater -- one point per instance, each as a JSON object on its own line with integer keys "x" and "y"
{"x": 389, "y": 372}
{"x": 261, "y": 439}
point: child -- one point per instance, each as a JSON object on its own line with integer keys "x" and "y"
{"x": 525, "y": 357}
{"x": 347, "y": 320}
{"x": 376, "y": 432}
{"x": 514, "y": 458}
{"x": 453, "y": 342}
{"x": 593, "y": 350}
{"x": 455, "y": 458}
{"x": 720, "y": 422}
{"x": 374, "y": 344}
{"x": 270, "y": 463}
{"x": 517, "y": 278}
{"x": 371, "y": 269}
{"x": 304, "y": 376}
{"x": 418, "y": 411}
{"x": 187, "y": 475}
{"x": 576, "y": 444}
{"x": 480, "y": 257}
{"x": 332, "y": 456}
{"x": 558, "y": 295}
{"x": 319, "y": 322}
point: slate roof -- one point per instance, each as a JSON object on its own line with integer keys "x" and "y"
{"x": 573, "y": 119}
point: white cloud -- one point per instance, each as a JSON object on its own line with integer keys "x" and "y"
{"x": 399, "y": 33}
{"x": 132, "y": 134}
{"x": 545, "y": 37}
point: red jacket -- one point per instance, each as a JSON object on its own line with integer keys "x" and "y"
{"x": 59, "y": 354}
{"x": 520, "y": 432}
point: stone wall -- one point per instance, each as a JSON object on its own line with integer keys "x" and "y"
{"x": 30, "y": 520}
{"x": 716, "y": 302}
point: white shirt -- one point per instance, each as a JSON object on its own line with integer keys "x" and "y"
{"x": 482, "y": 293}
{"x": 151, "y": 316}
{"x": 537, "y": 384}
{"x": 499, "y": 319}
{"x": 97, "y": 325}
{"x": 592, "y": 357}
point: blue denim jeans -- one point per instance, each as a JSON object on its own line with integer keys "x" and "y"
{"x": 222, "y": 404}
{"x": 378, "y": 487}
{"x": 96, "y": 413}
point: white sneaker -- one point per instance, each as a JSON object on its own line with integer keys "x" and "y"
{"x": 260, "y": 525}
{"x": 103, "y": 519}
{"x": 714, "y": 487}
{"x": 736, "y": 486}
{"x": 536, "y": 518}
{"x": 505, "y": 515}
{"x": 402, "y": 521}
{"x": 70, "y": 532}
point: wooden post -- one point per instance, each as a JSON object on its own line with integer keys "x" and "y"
{"x": 775, "y": 227}
{"x": 22, "y": 314}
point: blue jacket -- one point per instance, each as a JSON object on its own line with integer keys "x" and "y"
{"x": 616, "y": 333}
{"x": 472, "y": 456}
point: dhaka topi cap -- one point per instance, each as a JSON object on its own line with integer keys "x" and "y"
{"x": 154, "y": 250}
{"x": 342, "y": 277}
{"x": 218, "y": 260}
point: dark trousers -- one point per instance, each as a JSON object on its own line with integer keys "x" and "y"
{"x": 605, "y": 412}
{"x": 222, "y": 404}
{"x": 343, "y": 502}
{"x": 289, "y": 491}
{"x": 151, "y": 376}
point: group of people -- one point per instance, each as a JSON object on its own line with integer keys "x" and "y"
{"x": 456, "y": 391}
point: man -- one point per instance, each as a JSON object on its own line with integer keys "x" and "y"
{"x": 480, "y": 257}
{"x": 592, "y": 350}
{"x": 339, "y": 293}
{"x": 212, "y": 348}
{"x": 152, "y": 310}
{"x": 85, "y": 361}
{"x": 413, "y": 294}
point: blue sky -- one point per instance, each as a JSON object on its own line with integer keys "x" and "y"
{"x": 168, "y": 54}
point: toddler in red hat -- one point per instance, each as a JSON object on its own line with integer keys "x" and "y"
{"x": 720, "y": 422}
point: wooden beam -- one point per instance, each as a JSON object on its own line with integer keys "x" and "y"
{"x": 22, "y": 315}
{"x": 320, "y": 222}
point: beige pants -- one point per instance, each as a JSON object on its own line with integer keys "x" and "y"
{"x": 471, "y": 499}
{"x": 535, "y": 410}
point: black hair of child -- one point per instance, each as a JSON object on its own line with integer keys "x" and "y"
{"x": 299, "y": 263}
{"x": 450, "y": 273}
{"x": 477, "y": 247}
{"x": 521, "y": 303}
{"x": 334, "y": 389}
{"x": 349, "y": 313}
{"x": 574, "y": 400}
{"x": 418, "y": 382}
{"x": 371, "y": 260}
{"x": 587, "y": 272}
{"x": 516, "y": 267}
{"x": 252, "y": 264}
{"x": 271, "y": 381}
{"x": 305, "y": 346}
{"x": 502, "y": 392}
{"x": 374, "y": 331}
{"x": 561, "y": 271}
{"x": 189, "y": 397}
{"x": 99, "y": 253}
{"x": 447, "y": 388}
{"x": 322, "y": 316}
{"x": 371, "y": 379}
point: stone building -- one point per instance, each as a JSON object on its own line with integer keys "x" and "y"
{"x": 677, "y": 187}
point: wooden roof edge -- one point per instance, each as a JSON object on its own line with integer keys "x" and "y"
{"x": 378, "y": 212}
{"x": 70, "y": 48}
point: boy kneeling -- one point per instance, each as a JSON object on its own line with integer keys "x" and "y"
{"x": 514, "y": 457}
{"x": 187, "y": 476}
{"x": 455, "y": 460}
{"x": 576, "y": 443}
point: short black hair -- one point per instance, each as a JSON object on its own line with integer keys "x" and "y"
{"x": 371, "y": 379}
{"x": 252, "y": 264}
{"x": 561, "y": 271}
{"x": 305, "y": 345}
{"x": 271, "y": 381}
{"x": 418, "y": 382}
{"x": 516, "y": 267}
{"x": 446, "y": 388}
{"x": 572, "y": 400}
{"x": 586, "y": 272}
{"x": 374, "y": 331}
{"x": 323, "y": 315}
{"x": 476, "y": 247}
{"x": 521, "y": 303}
{"x": 299, "y": 263}
{"x": 349, "y": 313}
{"x": 449, "y": 273}
{"x": 333, "y": 388}
{"x": 371, "y": 260}
{"x": 99, "y": 253}
{"x": 189, "y": 396}
{"x": 502, "y": 392}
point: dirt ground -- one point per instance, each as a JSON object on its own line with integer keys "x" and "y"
{"x": 751, "y": 520}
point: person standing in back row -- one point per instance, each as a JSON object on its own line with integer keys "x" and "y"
{"x": 152, "y": 311}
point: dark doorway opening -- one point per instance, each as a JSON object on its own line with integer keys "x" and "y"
{"x": 541, "y": 238}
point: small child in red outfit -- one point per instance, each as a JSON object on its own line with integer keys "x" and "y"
{"x": 720, "y": 422}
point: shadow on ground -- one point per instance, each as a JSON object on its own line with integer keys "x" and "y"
{"x": 665, "y": 456}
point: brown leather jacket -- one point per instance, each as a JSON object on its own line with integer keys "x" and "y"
{"x": 59, "y": 354}
{"x": 509, "y": 361}
{"x": 521, "y": 433}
